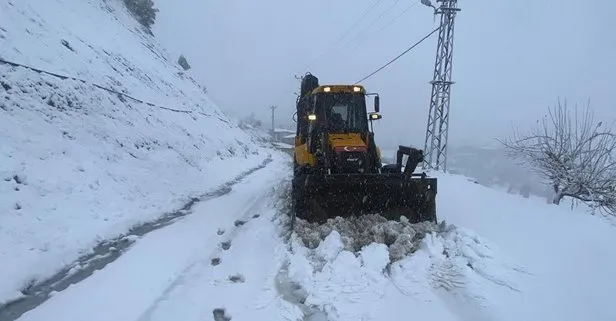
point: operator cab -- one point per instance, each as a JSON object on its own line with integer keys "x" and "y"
{"x": 344, "y": 112}
{"x": 337, "y": 130}
{"x": 336, "y": 109}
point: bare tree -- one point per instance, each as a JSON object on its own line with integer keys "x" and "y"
{"x": 575, "y": 154}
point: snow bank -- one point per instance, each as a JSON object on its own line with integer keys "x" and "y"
{"x": 449, "y": 276}
{"x": 400, "y": 237}
{"x": 79, "y": 164}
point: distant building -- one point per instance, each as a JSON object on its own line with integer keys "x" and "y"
{"x": 289, "y": 139}
{"x": 283, "y": 135}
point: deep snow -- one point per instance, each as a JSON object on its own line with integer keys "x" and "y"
{"x": 78, "y": 164}
{"x": 233, "y": 258}
{"x": 448, "y": 273}
{"x": 568, "y": 254}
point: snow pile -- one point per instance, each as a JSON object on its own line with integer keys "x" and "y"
{"x": 79, "y": 164}
{"x": 533, "y": 261}
{"x": 400, "y": 237}
{"x": 450, "y": 274}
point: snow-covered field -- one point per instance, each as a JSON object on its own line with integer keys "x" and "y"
{"x": 79, "y": 164}
{"x": 568, "y": 255}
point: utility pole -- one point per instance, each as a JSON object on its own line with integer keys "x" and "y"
{"x": 273, "y": 127}
{"x": 437, "y": 128}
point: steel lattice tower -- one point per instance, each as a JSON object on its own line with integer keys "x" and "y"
{"x": 438, "y": 117}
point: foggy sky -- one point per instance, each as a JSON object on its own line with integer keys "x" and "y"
{"x": 512, "y": 59}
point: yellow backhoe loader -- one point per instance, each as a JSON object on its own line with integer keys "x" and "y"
{"x": 337, "y": 165}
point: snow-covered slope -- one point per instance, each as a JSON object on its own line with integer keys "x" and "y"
{"x": 79, "y": 164}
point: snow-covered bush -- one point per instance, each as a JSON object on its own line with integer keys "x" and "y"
{"x": 143, "y": 11}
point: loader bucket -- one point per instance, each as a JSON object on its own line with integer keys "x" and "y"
{"x": 392, "y": 195}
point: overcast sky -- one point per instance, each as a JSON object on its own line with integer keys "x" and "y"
{"x": 512, "y": 59}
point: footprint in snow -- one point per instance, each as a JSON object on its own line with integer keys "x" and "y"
{"x": 225, "y": 245}
{"x": 221, "y": 315}
{"x": 215, "y": 261}
{"x": 256, "y": 216}
{"x": 237, "y": 278}
{"x": 220, "y": 231}
{"x": 239, "y": 223}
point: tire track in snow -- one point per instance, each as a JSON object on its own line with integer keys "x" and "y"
{"x": 218, "y": 259}
{"x": 106, "y": 252}
{"x": 199, "y": 271}
{"x": 220, "y": 314}
{"x": 246, "y": 260}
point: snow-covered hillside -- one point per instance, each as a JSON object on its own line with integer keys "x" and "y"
{"x": 79, "y": 164}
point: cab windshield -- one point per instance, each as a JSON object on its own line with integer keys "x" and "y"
{"x": 345, "y": 112}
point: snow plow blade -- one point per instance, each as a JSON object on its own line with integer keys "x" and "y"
{"x": 318, "y": 197}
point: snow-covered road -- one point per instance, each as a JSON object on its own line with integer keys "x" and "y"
{"x": 198, "y": 252}
{"x": 107, "y": 252}
{"x": 233, "y": 258}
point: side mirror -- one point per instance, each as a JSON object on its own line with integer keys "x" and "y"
{"x": 376, "y": 103}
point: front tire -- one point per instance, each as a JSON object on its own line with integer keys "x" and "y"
{"x": 297, "y": 202}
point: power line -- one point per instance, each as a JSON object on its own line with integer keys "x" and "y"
{"x": 397, "y": 17}
{"x": 362, "y": 32}
{"x": 358, "y": 20}
{"x": 345, "y": 33}
{"x": 402, "y": 13}
{"x": 371, "y": 24}
{"x": 400, "y": 55}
